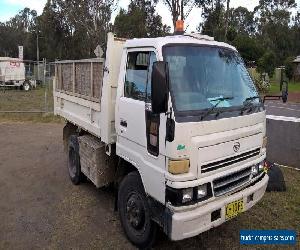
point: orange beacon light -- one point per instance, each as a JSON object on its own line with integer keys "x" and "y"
{"x": 179, "y": 29}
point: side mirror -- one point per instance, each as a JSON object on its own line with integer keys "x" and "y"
{"x": 159, "y": 87}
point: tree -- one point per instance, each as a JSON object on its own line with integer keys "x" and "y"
{"x": 225, "y": 24}
{"x": 214, "y": 20}
{"x": 227, "y": 19}
{"x": 289, "y": 67}
{"x": 139, "y": 21}
{"x": 295, "y": 35}
{"x": 66, "y": 29}
{"x": 53, "y": 33}
{"x": 25, "y": 20}
{"x": 249, "y": 48}
{"x": 182, "y": 8}
{"x": 267, "y": 28}
{"x": 18, "y": 31}
{"x": 266, "y": 64}
{"x": 273, "y": 29}
{"x": 72, "y": 29}
{"x": 242, "y": 21}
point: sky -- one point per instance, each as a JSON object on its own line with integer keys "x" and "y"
{"x": 9, "y": 8}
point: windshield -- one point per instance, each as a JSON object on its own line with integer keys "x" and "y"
{"x": 200, "y": 75}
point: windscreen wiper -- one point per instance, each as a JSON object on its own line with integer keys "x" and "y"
{"x": 248, "y": 104}
{"x": 251, "y": 98}
{"x": 219, "y": 100}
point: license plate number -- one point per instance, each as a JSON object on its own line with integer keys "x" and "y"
{"x": 233, "y": 209}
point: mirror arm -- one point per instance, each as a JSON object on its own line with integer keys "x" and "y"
{"x": 169, "y": 112}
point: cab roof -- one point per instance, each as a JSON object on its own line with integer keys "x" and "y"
{"x": 159, "y": 42}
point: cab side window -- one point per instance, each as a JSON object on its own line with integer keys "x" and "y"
{"x": 136, "y": 75}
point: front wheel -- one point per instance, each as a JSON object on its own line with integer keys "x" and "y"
{"x": 134, "y": 212}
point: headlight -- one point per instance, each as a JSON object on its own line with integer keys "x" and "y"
{"x": 261, "y": 166}
{"x": 258, "y": 168}
{"x": 202, "y": 191}
{"x": 254, "y": 170}
{"x": 187, "y": 196}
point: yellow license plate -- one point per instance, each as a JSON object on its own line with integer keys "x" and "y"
{"x": 233, "y": 209}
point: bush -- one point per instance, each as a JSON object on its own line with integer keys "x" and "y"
{"x": 261, "y": 81}
{"x": 262, "y": 84}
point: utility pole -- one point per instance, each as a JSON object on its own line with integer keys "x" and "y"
{"x": 37, "y": 52}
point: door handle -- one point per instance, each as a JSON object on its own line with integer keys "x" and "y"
{"x": 123, "y": 123}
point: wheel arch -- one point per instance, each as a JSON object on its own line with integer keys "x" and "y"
{"x": 123, "y": 169}
{"x": 68, "y": 130}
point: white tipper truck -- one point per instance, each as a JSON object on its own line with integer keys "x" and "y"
{"x": 175, "y": 123}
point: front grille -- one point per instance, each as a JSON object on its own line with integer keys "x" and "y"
{"x": 230, "y": 182}
{"x": 229, "y": 161}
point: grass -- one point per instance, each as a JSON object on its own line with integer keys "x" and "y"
{"x": 292, "y": 87}
{"x": 31, "y": 101}
{"x": 278, "y": 209}
{"x": 19, "y": 100}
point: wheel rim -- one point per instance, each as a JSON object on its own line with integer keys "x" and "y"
{"x": 26, "y": 87}
{"x": 135, "y": 212}
{"x": 72, "y": 163}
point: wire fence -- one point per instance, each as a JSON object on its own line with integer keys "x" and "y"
{"x": 26, "y": 86}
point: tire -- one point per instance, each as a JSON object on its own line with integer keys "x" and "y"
{"x": 135, "y": 213}
{"x": 74, "y": 168}
{"x": 26, "y": 86}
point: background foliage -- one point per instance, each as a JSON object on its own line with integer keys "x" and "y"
{"x": 71, "y": 29}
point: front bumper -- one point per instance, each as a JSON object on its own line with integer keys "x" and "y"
{"x": 191, "y": 222}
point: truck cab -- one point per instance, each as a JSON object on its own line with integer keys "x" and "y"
{"x": 189, "y": 118}
{"x": 186, "y": 124}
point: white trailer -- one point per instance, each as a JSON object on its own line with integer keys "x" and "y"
{"x": 175, "y": 123}
{"x": 12, "y": 74}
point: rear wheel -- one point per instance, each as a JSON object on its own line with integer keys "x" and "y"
{"x": 134, "y": 212}
{"x": 74, "y": 160}
{"x": 26, "y": 86}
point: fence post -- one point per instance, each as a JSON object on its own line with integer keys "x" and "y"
{"x": 46, "y": 87}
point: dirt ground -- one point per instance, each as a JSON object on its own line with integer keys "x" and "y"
{"x": 41, "y": 209}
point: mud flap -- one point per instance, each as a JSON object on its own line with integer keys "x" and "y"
{"x": 276, "y": 179}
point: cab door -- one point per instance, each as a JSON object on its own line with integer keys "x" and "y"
{"x": 132, "y": 104}
{"x": 138, "y": 137}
